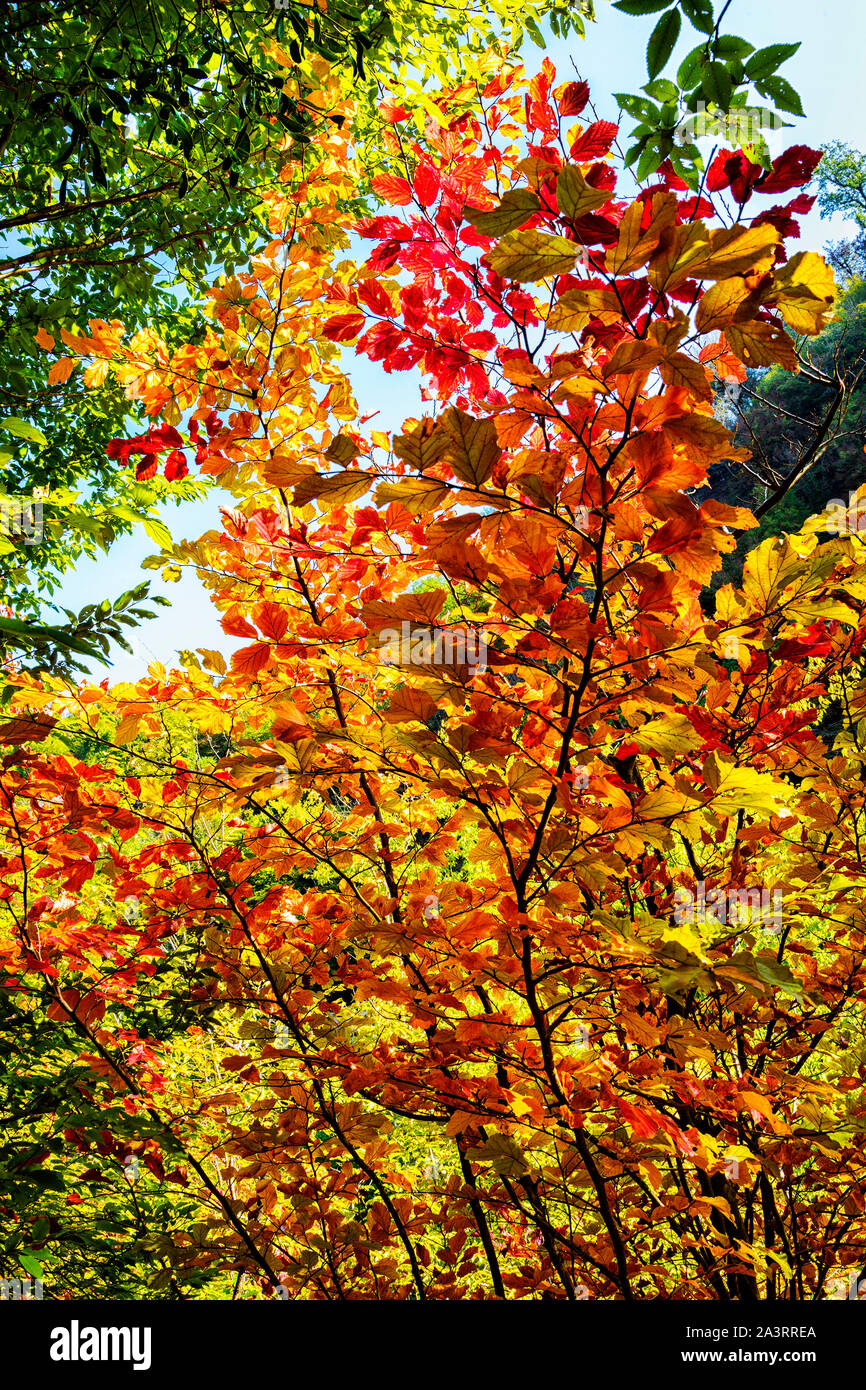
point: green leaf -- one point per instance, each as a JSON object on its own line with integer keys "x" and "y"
{"x": 689, "y": 70}
{"x": 729, "y": 46}
{"x": 649, "y": 160}
{"x": 30, "y": 1264}
{"x": 662, "y": 89}
{"x": 45, "y": 1177}
{"x": 641, "y": 7}
{"x": 636, "y": 150}
{"x": 638, "y": 107}
{"x": 158, "y": 531}
{"x": 683, "y": 161}
{"x": 772, "y": 972}
{"x": 782, "y": 93}
{"x": 663, "y": 41}
{"x": 717, "y": 85}
{"x": 34, "y": 634}
{"x": 23, "y": 430}
{"x": 699, "y": 13}
{"x": 765, "y": 62}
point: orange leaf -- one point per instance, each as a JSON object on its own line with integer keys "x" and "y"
{"x": 29, "y": 728}
{"x": 408, "y": 704}
{"x": 252, "y": 659}
{"x": 61, "y": 370}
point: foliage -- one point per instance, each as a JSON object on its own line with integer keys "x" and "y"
{"x": 804, "y": 432}
{"x": 841, "y": 179}
{"x": 713, "y": 82}
{"x": 137, "y": 143}
{"x": 404, "y": 1006}
{"x": 842, "y": 182}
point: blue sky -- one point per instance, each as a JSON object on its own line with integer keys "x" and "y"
{"x": 828, "y": 72}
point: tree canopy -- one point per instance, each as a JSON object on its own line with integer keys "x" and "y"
{"x": 489, "y": 925}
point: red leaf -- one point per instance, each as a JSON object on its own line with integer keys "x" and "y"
{"x": 392, "y": 189}
{"x": 272, "y": 620}
{"x": 381, "y": 341}
{"x": 693, "y": 209}
{"x": 250, "y": 660}
{"x": 592, "y": 228}
{"x": 573, "y": 98}
{"x": 426, "y": 184}
{"x": 595, "y": 141}
{"x": 781, "y": 219}
{"x": 744, "y": 175}
{"x": 718, "y": 176}
{"x": 175, "y": 465}
{"x": 791, "y": 170}
{"x": 27, "y": 728}
{"x": 343, "y": 327}
{"x": 393, "y": 112}
{"x": 643, "y": 1126}
{"x": 372, "y": 294}
{"x": 384, "y": 256}
{"x": 166, "y": 437}
{"x": 146, "y": 469}
{"x": 671, "y": 177}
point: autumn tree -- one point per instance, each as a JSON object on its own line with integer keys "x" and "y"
{"x": 448, "y": 977}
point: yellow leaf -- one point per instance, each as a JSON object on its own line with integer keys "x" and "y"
{"x": 746, "y": 789}
{"x": 514, "y": 208}
{"x": 131, "y": 721}
{"x": 574, "y": 196}
{"x": 736, "y": 251}
{"x": 634, "y": 356}
{"x": 762, "y": 344}
{"x": 213, "y": 661}
{"x": 664, "y": 802}
{"x": 692, "y": 251}
{"x": 667, "y": 737}
{"x": 751, "y": 1100}
{"x": 504, "y": 1153}
{"x": 770, "y": 569}
{"x": 417, "y": 495}
{"x": 422, "y": 446}
{"x": 725, "y": 303}
{"x": 423, "y": 607}
{"x": 473, "y": 449}
{"x": 531, "y": 255}
{"x": 280, "y": 471}
{"x": 335, "y": 489}
{"x": 408, "y": 704}
{"x": 721, "y": 514}
{"x": 805, "y": 290}
{"x": 635, "y": 246}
